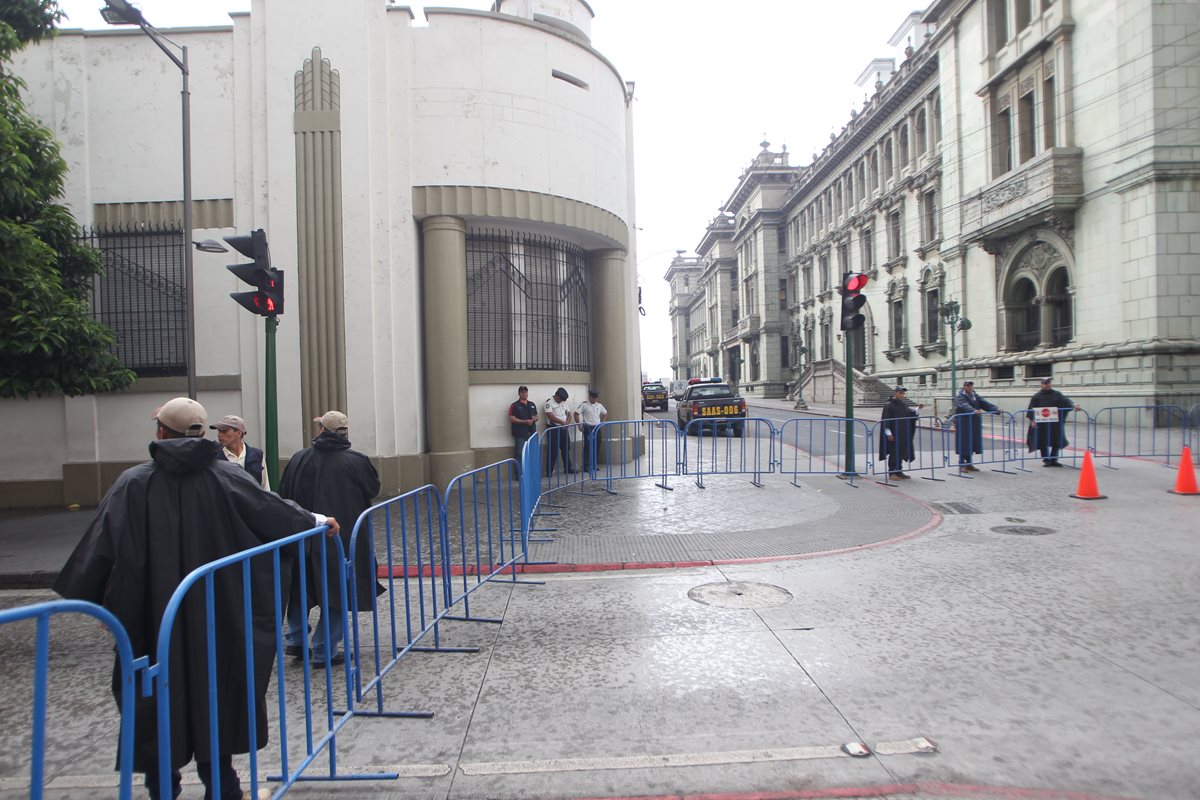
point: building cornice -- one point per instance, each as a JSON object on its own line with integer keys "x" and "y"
{"x": 904, "y": 84}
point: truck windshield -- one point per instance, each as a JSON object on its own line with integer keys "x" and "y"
{"x": 707, "y": 392}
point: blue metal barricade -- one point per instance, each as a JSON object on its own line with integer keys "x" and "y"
{"x": 1149, "y": 432}
{"x": 483, "y": 532}
{"x": 211, "y": 670}
{"x": 981, "y": 438}
{"x": 729, "y": 446}
{"x": 126, "y": 666}
{"x": 409, "y": 531}
{"x": 927, "y": 440}
{"x": 1063, "y": 433}
{"x": 817, "y": 446}
{"x": 642, "y": 448}
{"x": 1192, "y": 435}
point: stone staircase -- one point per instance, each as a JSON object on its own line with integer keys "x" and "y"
{"x": 824, "y": 382}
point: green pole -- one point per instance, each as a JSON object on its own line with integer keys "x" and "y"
{"x": 849, "y": 465}
{"x": 953, "y": 366}
{"x": 271, "y": 408}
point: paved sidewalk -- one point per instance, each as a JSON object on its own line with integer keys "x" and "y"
{"x": 1045, "y": 646}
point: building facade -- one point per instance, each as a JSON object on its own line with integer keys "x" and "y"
{"x": 451, "y": 203}
{"x": 1020, "y": 162}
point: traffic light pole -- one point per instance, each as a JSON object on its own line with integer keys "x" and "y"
{"x": 270, "y": 408}
{"x": 848, "y": 468}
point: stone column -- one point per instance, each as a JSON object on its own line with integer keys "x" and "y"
{"x": 447, "y": 385}
{"x": 1045, "y": 321}
{"x": 612, "y": 308}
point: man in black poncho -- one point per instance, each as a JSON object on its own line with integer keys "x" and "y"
{"x": 897, "y": 432}
{"x": 342, "y": 481}
{"x": 1048, "y": 409}
{"x": 184, "y": 508}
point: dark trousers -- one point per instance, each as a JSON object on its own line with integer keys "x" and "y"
{"x": 966, "y": 431}
{"x": 519, "y": 440}
{"x": 558, "y": 442}
{"x": 231, "y": 787}
{"x": 1046, "y": 437}
{"x": 589, "y": 458}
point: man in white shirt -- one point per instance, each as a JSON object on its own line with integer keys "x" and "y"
{"x": 558, "y": 438}
{"x": 590, "y": 414}
{"x": 231, "y": 433}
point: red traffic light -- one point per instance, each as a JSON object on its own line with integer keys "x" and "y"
{"x": 854, "y": 282}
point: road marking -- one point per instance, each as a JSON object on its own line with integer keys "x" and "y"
{"x": 190, "y": 778}
{"x": 680, "y": 759}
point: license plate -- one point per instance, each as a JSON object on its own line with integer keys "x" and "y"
{"x": 656, "y": 397}
{"x": 720, "y": 411}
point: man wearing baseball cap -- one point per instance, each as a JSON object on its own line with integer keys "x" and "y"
{"x": 1046, "y": 429}
{"x": 185, "y": 508}
{"x": 344, "y": 481}
{"x": 231, "y": 433}
{"x": 968, "y": 406}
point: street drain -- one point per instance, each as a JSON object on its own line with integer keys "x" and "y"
{"x": 740, "y": 594}
{"x": 1023, "y": 530}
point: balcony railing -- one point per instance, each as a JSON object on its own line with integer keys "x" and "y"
{"x": 1049, "y": 182}
{"x": 748, "y": 325}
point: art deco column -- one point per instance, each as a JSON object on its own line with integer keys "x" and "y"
{"x": 612, "y": 309}
{"x": 447, "y": 385}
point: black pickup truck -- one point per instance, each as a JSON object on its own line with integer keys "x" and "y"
{"x": 715, "y": 401}
{"x": 654, "y": 394}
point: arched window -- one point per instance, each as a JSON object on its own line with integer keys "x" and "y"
{"x": 937, "y": 121}
{"x": 1058, "y": 296}
{"x": 887, "y": 160}
{"x": 1023, "y": 323}
{"x": 874, "y": 172}
{"x": 922, "y": 137}
{"x": 902, "y": 147}
{"x": 862, "y": 181}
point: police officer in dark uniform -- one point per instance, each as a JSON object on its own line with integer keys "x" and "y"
{"x": 523, "y": 414}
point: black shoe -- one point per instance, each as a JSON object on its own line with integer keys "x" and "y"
{"x": 295, "y": 650}
{"x": 338, "y": 658}
{"x": 572, "y": 471}
{"x": 1053, "y": 464}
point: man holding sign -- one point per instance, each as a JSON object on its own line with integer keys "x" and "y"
{"x": 1047, "y": 412}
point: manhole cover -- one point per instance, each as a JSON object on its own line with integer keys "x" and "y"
{"x": 1023, "y": 530}
{"x": 739, "y": 594}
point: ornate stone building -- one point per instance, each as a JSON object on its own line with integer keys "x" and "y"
{"x": 1013, "y": 165}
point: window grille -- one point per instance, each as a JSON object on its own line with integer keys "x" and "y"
{"x": 527, "y": 305}
{"x": 142, "y": 295}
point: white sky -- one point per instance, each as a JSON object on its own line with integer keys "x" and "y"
{"x": 713, "y": 78}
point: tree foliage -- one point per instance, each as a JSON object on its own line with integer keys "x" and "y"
{"x": 49, "y": 342}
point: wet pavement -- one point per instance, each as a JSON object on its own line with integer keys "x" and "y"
{"x": 985, "y": 638}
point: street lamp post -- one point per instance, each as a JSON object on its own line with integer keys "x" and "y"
{"x": 120, "y": 12}
{"x": 950, "y": 312}
{"x": 800, "y": 351}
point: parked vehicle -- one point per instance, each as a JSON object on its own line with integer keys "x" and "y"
{"x": 677, "y": 389}
{"x": 712, "y": 400}
{"x": 654, "y": 395}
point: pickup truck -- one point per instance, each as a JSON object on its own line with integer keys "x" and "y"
{"x": 715, "y": 401}
{"x": 654, "y": 394}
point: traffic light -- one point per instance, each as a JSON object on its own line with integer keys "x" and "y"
{"x": 852, "y": 300}
{"x": 267, "y": 299}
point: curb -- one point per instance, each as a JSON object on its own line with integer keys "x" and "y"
{"x": 28, "y": 580}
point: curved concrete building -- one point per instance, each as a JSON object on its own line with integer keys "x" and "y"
{"x": 452, "y": 204}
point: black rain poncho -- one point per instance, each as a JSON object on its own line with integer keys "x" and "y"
{"x": 159, "y": 521}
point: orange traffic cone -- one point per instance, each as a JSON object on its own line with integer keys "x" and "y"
{"x": 1185, "y": 479}
{"x": 1088, "y": 490}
